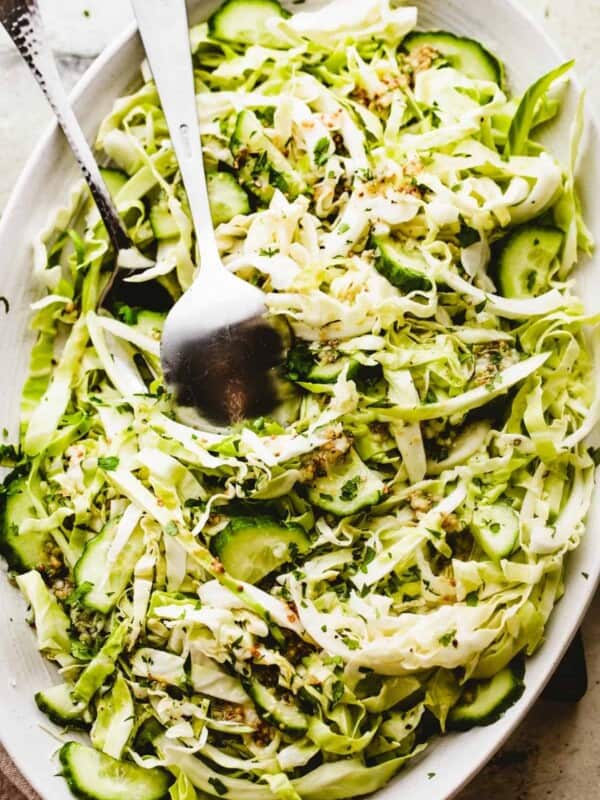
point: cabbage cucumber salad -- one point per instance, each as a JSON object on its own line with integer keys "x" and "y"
{"x": 297, "y": 606}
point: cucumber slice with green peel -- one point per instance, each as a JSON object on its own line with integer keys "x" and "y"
{"x": 114, "y": 179}
{"x": 22, "y": 551}
{"x": 466, "y": 55}
{"x": 526, "y": 259}
{"x": 496, "y": 529}
{"x": 151, "y": 323}
{"x": 484, "y": 702}
{"x": 105, "y": 583}
{"x": 250, "y": 548}
{"x": 227, "y": 197}
{"x": 304, "y": 365}
{"x": 262, "y": 168}
{"x": 285, "y": 716}
{"x": 375, "y": 445}
{"x": 245, "y": 21}
{"x": 349, "y": 487}
{"x": 398, "y": 266}
{"x": 329, "y": 373}
{"x": 92, "y": 775}
{"x": 60, "y": 706}
{"x": 162, "y": 222}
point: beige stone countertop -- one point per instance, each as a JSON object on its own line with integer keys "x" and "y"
{"x": 556, "y": 751}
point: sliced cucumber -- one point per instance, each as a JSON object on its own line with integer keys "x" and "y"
{"x": 484, "y": 702}
{"x": 60, "y": 706}
{"x": 252, "y": 547}
{"x": 114, "y": 179}
{"x": 227, "y": 200}
{"x": 305, "y": 366}
{"x": 227, "y": 197}
{"x": 162, "y": 222}
{"x": 262, "y": 167}
{"x": 471, "y": 439}
{"x": 375, "y": 445}
{"x": 329, "y": 373}
{"x": 151, "y": 323}
{"x": 465, "y": 55}
{"x": 22, "y": 551}
{"x": 95, "y": 776}
{"x": 526, "y": 259}
{"x": 245, "y": 21}
{"x": 348, "y": 487}
{"x": 288, "y": 718}
{"x": 496, "y": 529}
{"x": 398, "y": 266}
{"x": 102, "y": 584}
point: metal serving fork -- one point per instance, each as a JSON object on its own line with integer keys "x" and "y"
{"x": 22, "y": 21}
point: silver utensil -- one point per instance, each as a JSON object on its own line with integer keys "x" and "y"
{"x": 23, "y": 23}
{"x": 218, "y": 350}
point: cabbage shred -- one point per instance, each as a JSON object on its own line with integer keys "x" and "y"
{"x": 453, "y": 396}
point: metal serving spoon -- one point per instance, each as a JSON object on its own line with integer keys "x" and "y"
{"x": 218, "y": 350}
{"x": 23, "y": 23}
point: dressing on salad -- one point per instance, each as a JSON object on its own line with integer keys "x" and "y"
{"x": 294, "y": 608}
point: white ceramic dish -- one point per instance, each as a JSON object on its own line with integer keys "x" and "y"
{"x": 450, "y": 763}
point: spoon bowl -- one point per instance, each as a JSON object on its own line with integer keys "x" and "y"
{"x": 220, "y": 352}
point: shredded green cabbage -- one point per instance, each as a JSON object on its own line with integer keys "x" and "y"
{"x": 451, "y": 396}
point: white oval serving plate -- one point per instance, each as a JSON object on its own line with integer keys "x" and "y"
{"x": 450, "y": 763}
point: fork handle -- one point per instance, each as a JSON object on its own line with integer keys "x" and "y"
{"x": 23, "y": 23}
{"x": 163, "y": 26}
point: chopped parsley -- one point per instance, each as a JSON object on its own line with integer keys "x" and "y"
{"x": 127, "y": 314}
{"x": 193, "y": 502}
{"x": 108, "y": 463}
{"x": 337, "y": 692}
{"x": 447, "y": 639}
{"x": 321, "y": 151}
{"x": 368, "y": 556}
{"x": 350, "y": 489}
{"x": 300, "y": 362}
{"x": 268, "y": 252}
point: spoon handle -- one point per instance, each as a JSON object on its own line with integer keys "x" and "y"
{"x": 22, "y": 21}
{"x": 163, "y": 26}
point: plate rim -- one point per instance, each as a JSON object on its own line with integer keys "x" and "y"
{"x": 519, "y": 712}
